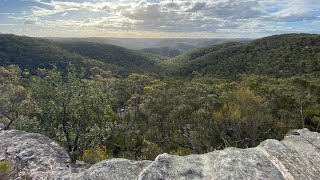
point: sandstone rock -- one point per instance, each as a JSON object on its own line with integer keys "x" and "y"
{"x": 295, "y": 157}
{"x": 115, "y": 169}
{"x": 38, "y": 155}
{"x": 80, "y": 163}
{"x": 2, "y": 126}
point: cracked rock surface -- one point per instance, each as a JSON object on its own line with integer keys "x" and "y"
{"x": 36, "y": 155}
{"x": 297, "y": 156}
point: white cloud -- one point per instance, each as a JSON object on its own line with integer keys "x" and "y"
{"x": 30, "y": 22}
{"x": 298, "y": 10}
{"x": 175, "y": 16}
{"x": 64, "y": 14}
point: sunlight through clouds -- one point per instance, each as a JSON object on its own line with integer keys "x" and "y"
{"x": 242, "y": 18}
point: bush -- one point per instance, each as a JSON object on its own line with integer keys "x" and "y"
{"x": 4, "y": 166}
{"x": 95, "y": 155}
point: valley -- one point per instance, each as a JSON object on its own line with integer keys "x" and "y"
{"x": 103, "y": 101}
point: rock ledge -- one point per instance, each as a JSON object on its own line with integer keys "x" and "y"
{"x": 297, "y": 156}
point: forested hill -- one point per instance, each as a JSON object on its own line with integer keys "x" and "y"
{"x": 198, "y": 53}
{"x": 278, "y": 56}
{"x": 132, "y": 60}
{"x": 144, "y": 114}
{"x": 32, "y": 53}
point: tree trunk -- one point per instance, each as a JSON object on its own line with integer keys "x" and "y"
{"x": 66, "y": 130}
{"x": 302, "y": 115}
{"x": 8, "y": 125}
{"x": 11, "y": 121}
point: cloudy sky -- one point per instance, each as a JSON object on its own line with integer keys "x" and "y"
{"x": 159, "y": 18}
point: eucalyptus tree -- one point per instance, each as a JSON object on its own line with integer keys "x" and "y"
{"x": 73, "y": 110}
{"x": 16, "y": 105}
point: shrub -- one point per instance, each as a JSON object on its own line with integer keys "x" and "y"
{"x": 4, "y": 166}
{"x": 95, "y": 155}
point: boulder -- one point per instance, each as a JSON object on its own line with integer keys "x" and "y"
{"x": 115, "y": 169}
{"x": 297, "y": 156}
{"x": 2, "y": 126}
{"x": 34, "y": 154}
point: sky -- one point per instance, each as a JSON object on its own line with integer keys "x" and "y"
{"x": 159, "y": 18}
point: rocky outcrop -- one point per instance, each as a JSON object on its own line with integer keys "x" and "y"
{"x": 295, "y": 157}
{"x": 34, "y": 156}
{"x": 1, "y": 126}
{"x": 113, "y": 169}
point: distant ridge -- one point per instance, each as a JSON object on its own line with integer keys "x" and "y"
{"x": 278, "y": 56}
{"x": 165, "y": 52}
{"x": 133, "y": 61}
{"x": 32, "y": 53}
{"x": 184, "y": 44}
{"x": 284, "y": 55}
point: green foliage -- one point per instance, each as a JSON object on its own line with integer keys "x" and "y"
{"x": 16, "y": 105}
{"x": 198, "y": 53}
{"x": 32, "y": 53}
{"x": 94, "y": 155}
{"x": 276, "y": 56}
{"x": 73, "y": 110}
{"x": 286, "y": 98}
{"x": 131, "y": 61}
{"x": 141, "y": 116}
{"x": 243, "y": 119}
{"x": 96, "y": 114}
{"x": 4, "y": 166}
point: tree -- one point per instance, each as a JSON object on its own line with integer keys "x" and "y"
{"x": 179, "y": 115}
{"x": 74, "y": 111}
{"x": 15, "y": 102}
{"x": 302, "y": 96}
{"x": 243, "y": 119}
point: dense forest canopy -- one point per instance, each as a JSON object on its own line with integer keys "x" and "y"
{"x": 32, "y": 53}
{"x": 131, "y": 60}
{"x": 277, "y": 56}
{"x": 102, "y": 101}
